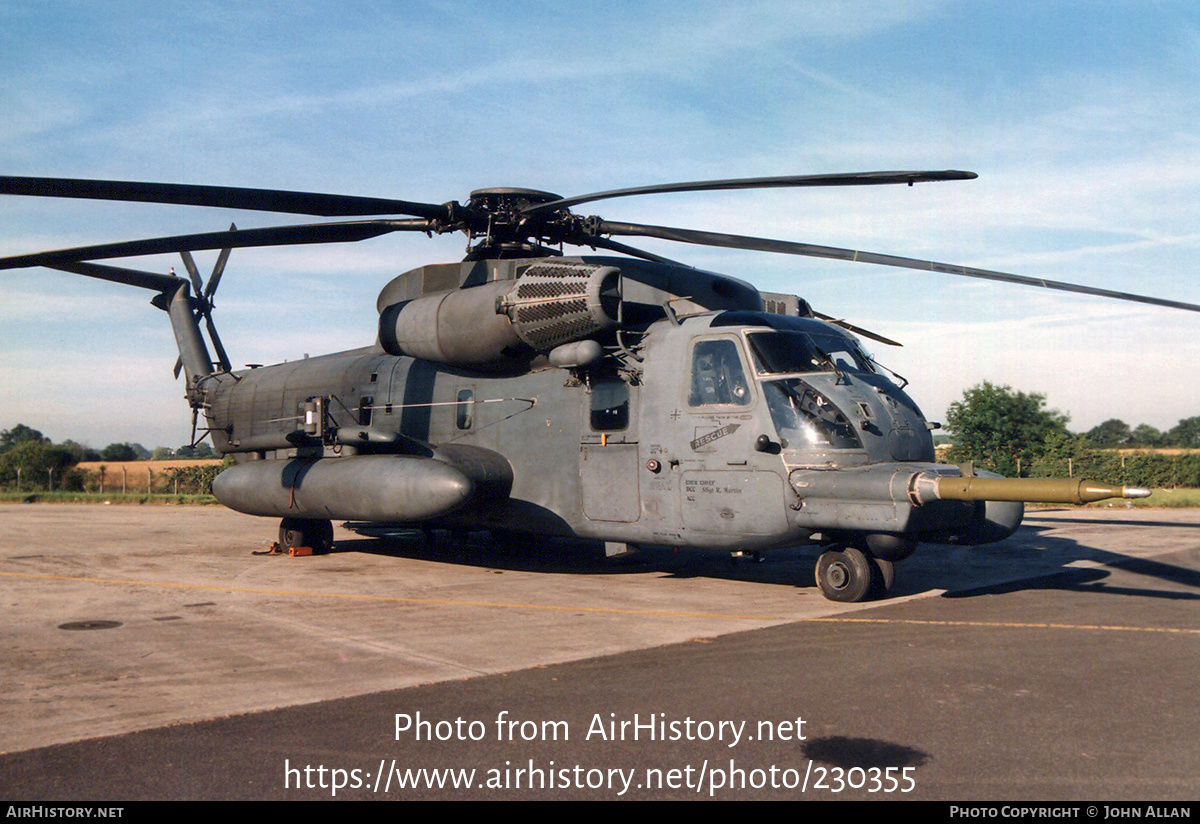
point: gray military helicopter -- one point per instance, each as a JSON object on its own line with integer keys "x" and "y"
{"x": 627, "y": 399}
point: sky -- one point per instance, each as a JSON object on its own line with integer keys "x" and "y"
{"x": 1081, "y": 119}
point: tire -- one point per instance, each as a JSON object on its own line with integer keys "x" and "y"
{"x": 291, "y": 533}
{"x": 844, "y": 575}
{"x": 322, "y": 540}
{"x": 314, "y": 533}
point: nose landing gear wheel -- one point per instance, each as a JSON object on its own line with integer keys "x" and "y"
{"x": 844, "y": 575}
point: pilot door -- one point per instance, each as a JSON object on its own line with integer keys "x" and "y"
{"x": 608, "y": 459}
{"x": 727, "y": 485}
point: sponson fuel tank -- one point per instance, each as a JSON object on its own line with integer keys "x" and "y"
{"x": 384, "y": 488}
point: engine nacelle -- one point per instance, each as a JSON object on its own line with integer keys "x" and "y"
{"x": 548, "y": 304}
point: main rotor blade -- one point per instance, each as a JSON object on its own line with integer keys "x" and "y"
{"x": 615, "y": 246}
{"x": 858, "y": 330}
{"x": 809, "y": 250}
{"x": 241, "y": 238}
{"x": 225, "y": 197}
{"x": 791, "y": 181}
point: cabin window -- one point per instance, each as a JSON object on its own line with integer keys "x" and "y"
{"x": 464, "y": 412}
{"x": 717, "y": 375}
{"x": 365, "y": 405}
{"x": 610, "y": 405}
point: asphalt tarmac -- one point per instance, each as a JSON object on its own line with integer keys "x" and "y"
{"x": 148, "y": 653}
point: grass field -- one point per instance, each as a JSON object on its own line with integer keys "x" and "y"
{"x": 133, "y": 476}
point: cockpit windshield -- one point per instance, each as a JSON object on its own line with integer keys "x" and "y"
{"x": 789, "y": 353}
{"x": 805, "y": 418}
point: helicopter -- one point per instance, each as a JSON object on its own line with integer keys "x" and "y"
{"x": 624, "y": 398}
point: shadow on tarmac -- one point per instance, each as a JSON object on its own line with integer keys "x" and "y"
{"x": 789, "y": 566}
{"x": 840, "y": 751}
{"x": 1031, "y": 560}
{"x": 1108, "y": 521}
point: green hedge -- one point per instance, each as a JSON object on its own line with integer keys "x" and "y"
{"x": 1149, "y": 469}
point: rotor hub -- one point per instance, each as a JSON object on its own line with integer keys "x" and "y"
{"x": 499, "y": 228}
{"x": 511, "y": 197}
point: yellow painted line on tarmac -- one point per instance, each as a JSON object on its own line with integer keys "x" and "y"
{"x": 389, "y": 598}
{"x": 1007, "y": 625}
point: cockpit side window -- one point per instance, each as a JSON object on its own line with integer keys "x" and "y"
{"x": 718, "y": 378}
{"x": 788, "y": 353}
{"x": 843, "y": 352}
{"x": 784, "y": 353}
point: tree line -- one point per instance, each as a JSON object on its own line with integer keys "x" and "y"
{"x": 1115, "y": 433}
{"x": 1015, "y": 434}
{"x": 31, "y": 461}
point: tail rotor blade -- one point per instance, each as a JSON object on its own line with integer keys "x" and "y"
{"x": 218, "y": 270}
{"x": 218, "y": 348}
{"x": 204, "y": 302}
{"x": 190, "y": 264}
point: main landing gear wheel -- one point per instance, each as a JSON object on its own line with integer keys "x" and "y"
{"x": 310, "y": 532}
{"x": 845, "y": 574}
